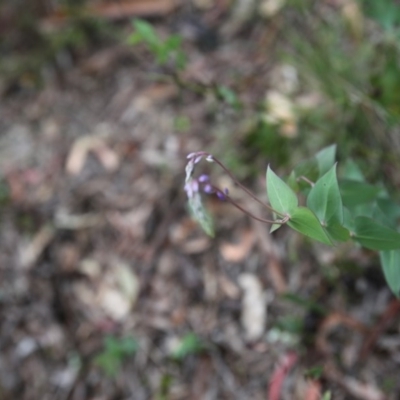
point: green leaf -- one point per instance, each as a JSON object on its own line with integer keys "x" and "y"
{"x": 389, "y": 208}
{"x": 355, "y": 192}
{"x": 146, "y": 32}
{"x": 338, "y": 232}
{"x": 308, "y": 169}
{"x": 228, "y": 96}
{"x": 326, "y": 159}
{"x": 375, "y": 236}
{"x": 304, "y": 221}
{"x": 201, "y": 215}
{"x": 189, "y": 344}
{"x": 325, "y": 200}
{"x": 348, "y": 220}
{"x": 352, "y": 171}
{"x": 379, "y": 216}
{"x": 281, "y": 197}
{"x": 115, "y": 351}
{"x": 314, "y": 372}
{"x": 291, "y": 323}
{"x": 327, "y": 395}
{"x": 275, "y": 227}
{"x": 173, "y": 43}
{"x": 390, "y": 261}
{"x": 291, "y": 180}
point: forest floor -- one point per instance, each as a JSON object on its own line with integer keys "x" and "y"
{"x": 109, "y": 290}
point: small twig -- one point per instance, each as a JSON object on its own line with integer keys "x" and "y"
{"x": 392, "y": 310}
{"x": 254, "y": 197}
{"x": 305, "y": 179}
{"x": 268, "y": 221}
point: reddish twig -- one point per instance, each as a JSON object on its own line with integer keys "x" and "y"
{"x": 391, "y": 311}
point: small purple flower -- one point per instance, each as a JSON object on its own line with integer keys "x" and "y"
{"x": 208, "y": 189}
{"x": 196, "y": 157}
{"x": 204, "y": 178}
{"x": 191, "y": 187}
{"x": 221, "y": 195}
{"x": 193, "y": 159}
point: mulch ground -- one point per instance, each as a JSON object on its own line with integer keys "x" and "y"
{"x": 96, "y": 242}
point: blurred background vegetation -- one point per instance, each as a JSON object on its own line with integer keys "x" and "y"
{"x": 338, "y": 81}
{"x": 328, "y": 72}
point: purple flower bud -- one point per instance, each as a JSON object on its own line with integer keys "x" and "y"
{"x": 208, "y": 189}
{"x": 204, "y": 178}
{"x": 210, "y": 158}
{"x": 196, "y": 157}
{"x": 226, "y": 191}
{"x": 191, "y": 188}
{"x": 221, "y": 195}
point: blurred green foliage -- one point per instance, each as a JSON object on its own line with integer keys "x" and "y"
{"x": 114, "y": 353}
{"x": 28, "y": 48}
{"x": 188, "y": 345}
{"x": 350, "y": 62}
{"x": 164, "y": 50}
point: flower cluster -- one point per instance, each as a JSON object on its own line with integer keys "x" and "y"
{"x": 202, "y": 184}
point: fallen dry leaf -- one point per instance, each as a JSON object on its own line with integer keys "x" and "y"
{"x": 108, "y": 158}
{"x": 80, "y": 149}
{"x": 237, "y": 252}
{"x": 64, "y": 220}
{"x": 356, "y": 388}
{"x": 353, "y": 15}
{"x": 313, "y": 390}
{"x": 31, "y": 252}
{"x": 195, "y": 245}
{"x": 229, "y": 288}
{"x": 152, "y": 95}
{"x": 77, "y": 156}
{"x": 253, "y": 315}
{"x": 110, "y": 294}
{"x": 280, "y": 110}
{"x": 269, "y": 8}
{"x": 113, "y": 10}
{"x": 118, "y": 290}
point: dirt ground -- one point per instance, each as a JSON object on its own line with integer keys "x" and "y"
{"x": 96, "y": 242}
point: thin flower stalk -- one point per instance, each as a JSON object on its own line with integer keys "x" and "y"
{"x": 193, "y": 187}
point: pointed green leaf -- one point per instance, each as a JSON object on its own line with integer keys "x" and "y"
{"x": 325, "y": 200}
{"x": 201, "y": 215}
{"x": 355, "y": 192}
{"x": 146, "y": 32}
{"x": 379, "y": 216}
{"x": 352, "y": 171}
{"x": 304, "y": 221}
{"x": 363, "y": 210}
{"x": 348, "y": 220}
{"x": 275, "y": 227}
{"x": 326, "y": 159}
{"x": 292, "y": 182}
{"x": 375, "y": 236}
{"x": 308, "y": 169}
{"x": 281, "y": 197}
{"x": 390, "y": 261}
{"x": 338, "y": 232}
{"x": 389, "y": 208}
